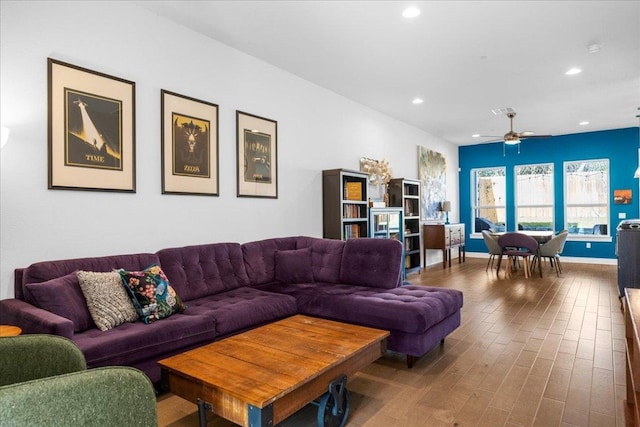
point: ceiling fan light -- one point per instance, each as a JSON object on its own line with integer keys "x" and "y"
{"x": 411, "y": 12}
{"x": 515, "y": 141}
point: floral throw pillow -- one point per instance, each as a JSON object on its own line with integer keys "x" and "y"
{"x": 151, "y": 293}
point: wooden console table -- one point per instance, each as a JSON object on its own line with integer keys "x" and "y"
{"x": 631, "y": 324}
{"x": 445, "y": 237}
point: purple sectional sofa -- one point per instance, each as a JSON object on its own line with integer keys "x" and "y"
{"x": 231, "y": 287}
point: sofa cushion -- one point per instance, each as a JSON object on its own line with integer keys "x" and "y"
{"x": 259, "y": 257}
{"x": 131, "y": 343}
{"x": 326, "y": 255}
{"x": 243, "y": 308}
{"x": 293, "y": 266}
{"x": 411, "y": 309}
{"x": 375, "y": 263}
{"x": 62, "y": 296}
{"x": 200, "y": 270}
{"x": 151, "y": 293}
{"x": 107, "y": 300}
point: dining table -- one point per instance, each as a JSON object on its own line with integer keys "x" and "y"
{"x": 541, "y": 237}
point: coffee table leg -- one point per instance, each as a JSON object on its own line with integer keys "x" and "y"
{"x": 334, "y": 406}
{"x": 203, "y": 407}
{"x": 261, "y": 417}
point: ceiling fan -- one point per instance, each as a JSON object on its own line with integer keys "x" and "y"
{"x": 511, "y": 137}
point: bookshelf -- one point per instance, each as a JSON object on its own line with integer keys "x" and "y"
{"x": 405, "y": 193}
{"x": 344, "y": 204}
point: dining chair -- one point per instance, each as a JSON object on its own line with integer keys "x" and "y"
{"x": 493, "y": 247}
{"x": 552, "y": 250}
{"x": 517, "y": 245}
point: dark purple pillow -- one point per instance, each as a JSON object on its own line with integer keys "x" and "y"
{"x": 63, "y": 296}
{"x": 294, "y": 266}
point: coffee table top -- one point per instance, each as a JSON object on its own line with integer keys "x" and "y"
{"x": 262, "y": 365}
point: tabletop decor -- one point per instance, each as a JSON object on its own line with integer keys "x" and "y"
{"x": 189, "y": 145}
{"x": 91, "y": 128}
{"x": 380, "y": 174}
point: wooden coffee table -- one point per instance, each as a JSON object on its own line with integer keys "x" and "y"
{"x": 262, "y": 376}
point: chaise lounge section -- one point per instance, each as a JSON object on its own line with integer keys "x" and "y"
{"x": 231, "y": 287}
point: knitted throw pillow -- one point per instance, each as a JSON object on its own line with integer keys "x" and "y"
{"x": 107, "y": 300}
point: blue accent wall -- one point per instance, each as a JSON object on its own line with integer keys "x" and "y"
{"x": 620, "y": 146}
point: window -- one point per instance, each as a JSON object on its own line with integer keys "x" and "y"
{"x": 534, "y": 197}
{"x": 586, "y": 192}
{"x": 489, "y": 199}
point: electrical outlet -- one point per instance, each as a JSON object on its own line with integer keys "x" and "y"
{"x": 622, "y": 215}
{"x": 588, "y": 245}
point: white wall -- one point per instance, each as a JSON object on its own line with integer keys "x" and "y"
{"x": 317, "y": 130}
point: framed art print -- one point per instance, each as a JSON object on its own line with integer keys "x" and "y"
{"x": 91, "y": 130}
{"x": 257, "y": 156}
{"x": 189, "y": 145}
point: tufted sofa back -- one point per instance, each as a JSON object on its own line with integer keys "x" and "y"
{"x": 201, "y": 270}
{"x": 259, "y": 257}
{"x": 48, "y": 270}
{"x": 372, "y": 262}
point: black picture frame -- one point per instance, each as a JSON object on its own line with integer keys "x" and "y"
{"x": 91, "y": 130}
{"x": 257, "y": 156}
{"x": 189, "y": 145}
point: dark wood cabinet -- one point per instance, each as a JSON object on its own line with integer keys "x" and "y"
{"x": 445, "y": 237}
{"x": 632, "y": 322}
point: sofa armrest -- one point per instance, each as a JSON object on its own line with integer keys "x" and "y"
{"x": 110, "y": 396}
{"x": 34, "y": 320}
{"x": 49, "y": 355}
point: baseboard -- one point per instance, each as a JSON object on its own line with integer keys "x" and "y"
{"x": 568, "y": 259}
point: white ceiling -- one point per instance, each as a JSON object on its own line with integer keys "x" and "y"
{"x": 464, "y": 58}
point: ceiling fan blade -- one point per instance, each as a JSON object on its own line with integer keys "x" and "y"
{"x": 534, "y": 136}
{"x": 489, "y": 136}
{"x": 526, "y": 133}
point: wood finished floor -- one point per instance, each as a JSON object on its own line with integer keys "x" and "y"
{"x": 530, "y": 352}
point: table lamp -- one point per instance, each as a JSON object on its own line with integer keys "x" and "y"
{"x": 445, "y": 207}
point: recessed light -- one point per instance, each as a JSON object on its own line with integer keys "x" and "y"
{"x": 573, "y": 71}
{"x": 475, "y": 135}
{"x": 411, "y": 12}
{"x": 417, "y": 101}
{"x": 583, "y": 123}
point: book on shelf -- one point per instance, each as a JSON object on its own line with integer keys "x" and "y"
{"x": 351, "y": 211}
{"x": 353, "y": 190}
{"x": 351, "y": 231}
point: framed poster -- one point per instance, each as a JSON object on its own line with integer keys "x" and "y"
{"x": 189, "y": 145}
{"x": 257, "y": 156}
{"x": 91, "y": 130}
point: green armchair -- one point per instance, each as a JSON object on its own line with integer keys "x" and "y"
{"x": 44, "y": 381}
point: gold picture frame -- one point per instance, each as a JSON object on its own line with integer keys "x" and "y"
{"x": 189, "y": 145}
{"x": 257, "y": 156}
{"x": 91, "y": 130}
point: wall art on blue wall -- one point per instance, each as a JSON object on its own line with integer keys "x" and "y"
{"x": 622, "y": 197}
